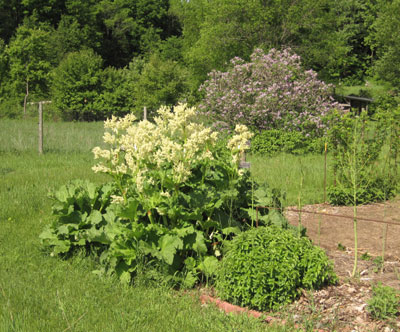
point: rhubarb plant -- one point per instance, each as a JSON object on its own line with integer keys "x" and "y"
{"x": 176, "y": 193}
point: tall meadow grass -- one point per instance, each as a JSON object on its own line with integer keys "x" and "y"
{"x": 293, "y": 175}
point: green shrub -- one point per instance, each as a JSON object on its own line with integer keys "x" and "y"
{"x": 377, "y": 190}
{"x": 11, "y": 108}
{"x": 269, "y": 142}
{"x": 76, "y": 85}
{"x": 266, "y": 267}
{"x": 384, "y": 302}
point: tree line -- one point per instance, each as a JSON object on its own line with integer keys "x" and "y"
{"x": 97, "y": 58}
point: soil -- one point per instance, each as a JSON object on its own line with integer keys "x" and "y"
{"x": 343, "y": 307}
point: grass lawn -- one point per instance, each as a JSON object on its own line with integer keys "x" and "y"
{"x": 43, "y": 293}
{"x": 296, "y": 176}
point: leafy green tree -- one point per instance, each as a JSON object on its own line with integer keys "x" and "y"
{"x": 191, "y": 15}
{"x": 76, "y": 84}
{"x": 227, "y": 28}
{"x": 132, "y": 27}
{"x": 86, "y": 13}
{"x": 161, "y": 82}
{"x": 30, "y": 61}
{"x": 47, "y": 11}
{"x": 329, "y": 35}
{"x": 314, "y": 32}
{"x": 386, "y": 42}
{"x": 116, "y": 96}
{"x": 234, "y": 28}
{"x": 3, "y": 64}
{"x": 350, "y": 59}
{"x": 70, "y": 36}
{"x": 11, "y": 15}
{"x": 4, "y": 79}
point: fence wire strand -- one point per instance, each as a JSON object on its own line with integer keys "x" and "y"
{"x": 325, "y": 214}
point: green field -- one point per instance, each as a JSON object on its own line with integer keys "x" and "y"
{"x": 43, "y": 293}
{"x": 298, "y": 177}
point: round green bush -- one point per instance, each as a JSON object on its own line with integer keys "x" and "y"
{"x": 266, "y": 267}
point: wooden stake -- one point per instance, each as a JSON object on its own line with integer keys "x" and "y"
{"x": 326, "y": 149}
{"x": 40, "y": 122}
{"x": 145, "y": 113}
{"x": 40, "y": 128}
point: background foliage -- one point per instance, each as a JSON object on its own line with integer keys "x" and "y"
{"x": 275, "y": 141}
{"x": 343, "y": 41}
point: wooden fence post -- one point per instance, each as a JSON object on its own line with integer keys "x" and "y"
{"x": 40, "y": 122}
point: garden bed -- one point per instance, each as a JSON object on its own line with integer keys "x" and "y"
{"x": 343, "y": 307}
{"x": 337, "y": 238}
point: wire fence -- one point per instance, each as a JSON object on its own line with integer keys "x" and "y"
{"x": 325, "y": 214}
{"x": 375, "y": 239}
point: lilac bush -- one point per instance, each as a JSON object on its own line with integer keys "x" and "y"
{"x": 271, "y": 91}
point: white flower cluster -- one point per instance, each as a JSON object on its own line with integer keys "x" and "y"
{"x": 238, "y": 144}
{"x": 173, "y": 143}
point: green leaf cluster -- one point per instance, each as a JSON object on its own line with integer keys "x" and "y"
{"x": 386, "y": 43}
{"x": 384, "y": 303}
{"x": 270, "y": 142}
{"x": 80, "y": 210}
{"x": 266, "y": 267}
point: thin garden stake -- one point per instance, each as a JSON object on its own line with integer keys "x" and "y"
{"x": 326, "y": 149}
{"x": 252, "y": 202}
{"x": 384, "y": 241}
{"x": 389, "y": 175}
{"x": 354, "y": 170}
{"x": 319, "y": 228}
{"x": 40, "y": 128}
{"x": 300, "y": 192}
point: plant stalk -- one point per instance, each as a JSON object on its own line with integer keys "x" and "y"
{"x": 354, "y": 178}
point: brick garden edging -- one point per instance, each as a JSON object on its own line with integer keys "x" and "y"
{"x": 231, "y": 308}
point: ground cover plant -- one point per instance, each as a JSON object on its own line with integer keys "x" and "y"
{"x": 266, "y": 267}
{"x": 41, "y": 293}
{"x": 384, "y": 303}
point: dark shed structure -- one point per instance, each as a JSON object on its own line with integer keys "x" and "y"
{"x": 360, "y": 103}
